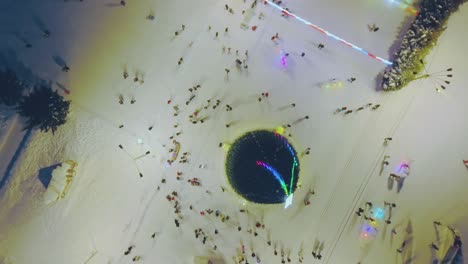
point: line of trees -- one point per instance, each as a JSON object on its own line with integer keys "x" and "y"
{"x": 418, "y": 41}
{"x": 41, "y": 107}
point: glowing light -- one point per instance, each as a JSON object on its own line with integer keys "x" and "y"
{"x": 287, "y": 13}
{"x": 295, "y": 164}
{"x": 283, "y": 58}
{"x": 279, "y": 130}
{"x": 379, "y": 213}
{"x": 226, "y": 146}
{"x": 276, "y": 174}
{"x": 368, "y": 231}
{"x": 406, "y": 6}
{"x": 404, "y": 168}
{"x": 332, "y": 84}
{"x": 288, "y": 201}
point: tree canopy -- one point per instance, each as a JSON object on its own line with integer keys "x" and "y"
{"x": 43, "y": 108}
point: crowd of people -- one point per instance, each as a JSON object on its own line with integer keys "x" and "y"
{"x": 183, "y": 210}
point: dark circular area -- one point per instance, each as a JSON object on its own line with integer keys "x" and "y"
{"x": 262, "y": 167}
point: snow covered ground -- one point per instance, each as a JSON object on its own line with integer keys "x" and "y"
{"x": 109, "y": 207}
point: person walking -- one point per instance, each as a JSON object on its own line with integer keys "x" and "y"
{"x": 375, "y": 107}
{"x": 338, "y": 110}
{"x": 360, "y": 211}
{"x": 129, "y": 250}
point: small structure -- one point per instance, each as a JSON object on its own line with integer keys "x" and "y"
{"x": 59, "y": 185}
{"x": 175, "y": 153}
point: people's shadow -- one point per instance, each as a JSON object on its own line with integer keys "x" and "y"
{"x": 22, "y": 39}
{"x": 400, "y": 184}
{"x": 39, "y": 23}
{"x": 59, "y": 61}
{"x": 390, "y": 182}
{"x": 113, "y": 5}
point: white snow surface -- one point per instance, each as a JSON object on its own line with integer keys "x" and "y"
{"x": 109, "y": 207}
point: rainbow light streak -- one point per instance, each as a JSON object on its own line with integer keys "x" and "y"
{"x": 321, "y": 30}
{"x": 276, "y": 174}
{"x": 406, "y": 6}
{"x": 295, "y": 164}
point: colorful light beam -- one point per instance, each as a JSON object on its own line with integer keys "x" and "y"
{"x": 321, "y": 30}
{"x": 379, "y": 213}
{"x": 295, "y": 164}
{"x": 406, "y": 6}
{"x": 276, "y": 174}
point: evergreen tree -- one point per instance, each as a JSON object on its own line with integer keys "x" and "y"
{"x": 43, "y": 108}
{"x": 11, "y": 88}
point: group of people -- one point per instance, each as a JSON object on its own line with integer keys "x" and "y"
{"x": 346, "y": 111}
{"x": 210, "y": 237}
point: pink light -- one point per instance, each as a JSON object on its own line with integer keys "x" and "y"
{"x": 283, "y": 61}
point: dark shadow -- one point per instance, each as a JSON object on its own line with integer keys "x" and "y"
{"x": 19, "y": 37}
{"x": 352, "y": 226}
{"x": 10, "y": 59}
{"x": 316, "y": 245}
{"x": 437, "y": 233}
{"x": 282, "y": 108}
{"x": 15, "y": 157}
{"x": 62, "y": 87}
{"x": 59, "y": 61}
{"x": 378, "y": 82}
{"x": 384, "y": 232}
{"x": 409, "y": 227}
{"x": 112, "y": 5}
{"x": 410, "y": 260}
{"x": 321, "y": 247}
{"x": 45, "y": 174}
{"x": 459, "y": 257}
{"x": 390, "y": 182}
{"x": 39, "y": 23}
{"x": 434, "y": 259}
{"x": 400, "y": 184}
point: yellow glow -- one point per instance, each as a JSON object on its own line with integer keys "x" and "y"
{"x": 226, "y": 146}
{"x": 280, "y": 130}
